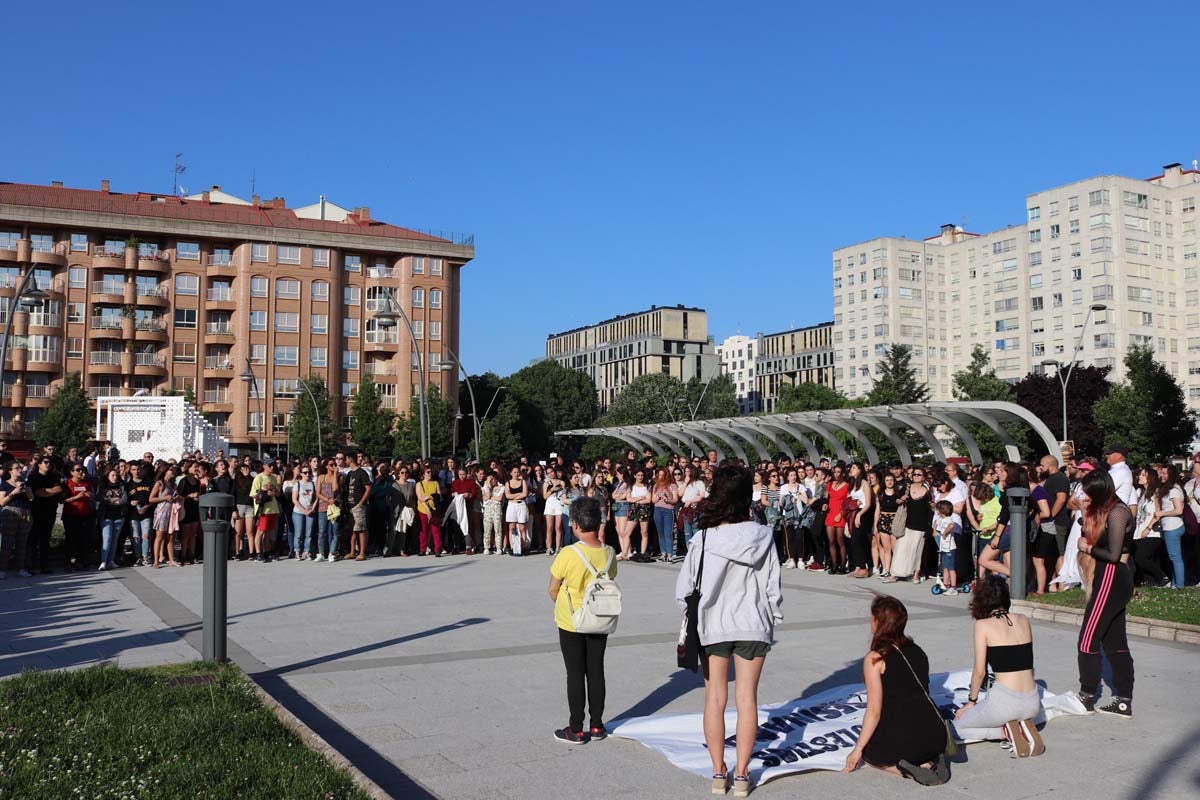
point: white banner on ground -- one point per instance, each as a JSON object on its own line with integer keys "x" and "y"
{"x": 813, "y": 733}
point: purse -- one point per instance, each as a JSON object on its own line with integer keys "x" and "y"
{"x": 900, "y": 521}
{"x": 951, "y": 746}
{"x": 687, "y": 651}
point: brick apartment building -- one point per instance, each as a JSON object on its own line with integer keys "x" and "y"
{"x": 150, "y": 292}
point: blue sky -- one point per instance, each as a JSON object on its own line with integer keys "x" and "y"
{"x": 610, "y": 156}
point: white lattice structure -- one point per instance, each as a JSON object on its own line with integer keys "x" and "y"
{"x": 168, "y": 427}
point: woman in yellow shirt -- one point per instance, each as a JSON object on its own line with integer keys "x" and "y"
{"x": 427, "y": 490}
{"x": 583, "y": 653}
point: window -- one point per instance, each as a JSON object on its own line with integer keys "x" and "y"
{"x": 75, "y": 312}
{"x": 1140, "y": 294}
{"x": 287, "y": 355}
{"x": 1073, "y": 203}
{"x": 185, "y": 318}
{"x": 79, "y": 242}
{"x": 435, "y": 266}
{"x": 184, "y": 352}
{"x": 319, "y": 323}
{"x": 1035, "y": 235}
{"x": 1035, "y": 213}
{"x": 1073, "y": 227}
{"x": 1055, "y": 254}
{"x": 350, "y": 327}
{"x": 258, "y": 320}
{"x": 349, "y": 359}
{"x": 1077, "y": 274}
{"x": 418, "y": 298}
{"x": 75, "y": 347}
{"x": 1035, "y": 258}
{"x": 418, "y": 266}
{"x": 1076, "y": 249}
{"x": 286, "y": 387}
{"x": 287, "y": 321}
{"x": 320, "y": 291}
{"x": 221, "y": 257}
{"x": 1103, "y": 341}
{"x": 260, "y": 252}
{"x": 281, "y": 421}
{"x": 1056, "y": 300}
{"x": 318, "y": 356}
{"x": 77, "y": 278}
{"x": 435, "y": 298}
{"x": 320, "y": 256}
{"x": 287, "y": 254}
{"x": 352, "y": 295}
{"x": 1039, "y": 349}
{"x": 1055, "y": 231}
{"x": 435, "y": 360}
{"x": 353, "y": 263}
{"x": 347, "y": 392}
{"x": 45, "y": 349}
{"x": 1188, "y": 205}
{"x": 1135, "y": 200}
{"x": 258, "y": 354}
{"x": 1102, "y": 245}
{"x": 1098, "y": 197}
{"x": 418, "y": 328}
{"x": 1035, "y": 303}
{"x": 1005, "y": 246}
{"x": 435, "y": 330}
{"x": 258, "y": 286}
{"x": 1035, "y": 281}
{"x": 187, "y": 251}
{"x": 254, "y": 422}
{"x": 1099, "y": 221}
{"x": 1102, "y": 292}
{"x": 287, "y": 288}
{"x": 1037, "y": 325}
{"x": 187, "y": 284}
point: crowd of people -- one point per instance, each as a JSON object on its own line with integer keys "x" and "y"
{"x": 943, "y": 522}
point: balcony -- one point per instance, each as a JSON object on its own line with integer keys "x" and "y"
{"x": 218, "y": 397}
{"x": 153, "y": 329}
{"x": 108, "y": 257}
{"x": 95, "y": 392}
{"x": 54, "y": 255}
{"x": 155, "y": 261}
{"x": 223, "y": 430}
{"x": 384, "y": 370}
{"x": 149, "y": 364}
{"x": 220, "y": 294}
{"x": 109, "y": 291}
{"x": 105, "y": 358}
{"x": 218, "y": 328}
{"x": 218, "y": 259}
{"x": 107, "y": 328}
{"x": 221, "y": 362}
{"x": 154, "y": 296}
{"x": 381, "y": 273}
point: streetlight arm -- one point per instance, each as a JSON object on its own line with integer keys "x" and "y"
{"x": 700, "y": 402}
{"x": 12, "y": 314}
{"x": 421, "y": 404}
{"x": 316, "y": 415}
{"x": 471, "y": 392}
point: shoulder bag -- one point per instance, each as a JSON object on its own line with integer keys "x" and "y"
{"x": 951, "y": 745}
{"x": 687, "y": 651}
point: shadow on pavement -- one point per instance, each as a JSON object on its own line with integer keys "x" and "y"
{"x": 367, "y": 648}
{"x": 1158, "y": 771}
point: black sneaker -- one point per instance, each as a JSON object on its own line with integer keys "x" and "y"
{"x": 568, "y": 736}
{"x": 598, "y": 733}
{"x": 1088, "y": 701}
{"x": 1119, "y": 707}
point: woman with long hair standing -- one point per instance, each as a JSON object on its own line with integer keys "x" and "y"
{"x": 114, "y": 499}
{"x": 166, "y": 517}
{"x": 885, "y": 514}
{"x": 1170, "y": 516}
{"x": 640, "y": 514}
{"x": 1107, "y": 529}
{"x": 835, "y": 525}
{"x": 740, "y": 604}
{"x": 554, "y": 491}
{"x": 860, "y": 524}
{"x": 328, "y": 487}
{"x": 666, "y": 495}
{"x": 620, "y": 512}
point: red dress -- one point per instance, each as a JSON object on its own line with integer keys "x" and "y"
{"x": 833, "y": 517}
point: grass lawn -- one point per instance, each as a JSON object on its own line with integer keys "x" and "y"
{"x": 1171, "y": 605}
{"x": 190, "y": 731}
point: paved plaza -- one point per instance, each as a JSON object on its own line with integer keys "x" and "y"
{"x": 442, "y": 677}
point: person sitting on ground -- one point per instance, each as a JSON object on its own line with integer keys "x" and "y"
{"x": 740, "y": 603}
{"x": 1004, "y": 641}
{"x": 902, "y": 731}
{"x": 583, "y": 653}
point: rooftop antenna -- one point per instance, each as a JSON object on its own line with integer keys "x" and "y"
{"x": 179, "y": 169}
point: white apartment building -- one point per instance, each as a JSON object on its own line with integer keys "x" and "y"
{"x": 736, "y": 357}
{"x": 1112, "y": 259}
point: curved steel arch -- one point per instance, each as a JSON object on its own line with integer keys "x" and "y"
{"x": 1009, "y": 443}
{"x": 1021, "y": 413}
{"x": 766, "y": 431}
{"x": 654, "y": 436}
{"x": 931, "y": 441}
{"x": 848, "y": 426}
{"x": 816, "y": 427}
{"x": 800, "y": 436}
{"x": 961, "y": 432}
{"x": 902, "y": 451}
{"x": 678, "y": 436}
{"x": 735, "y": 430}
{"x": 729, "y": 440}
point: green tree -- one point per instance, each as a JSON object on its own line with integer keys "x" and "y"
{"x": 500, "y": 436}
{"x": 653, "y": 397}
{"x": 408, "y": 426}
{"x": 717, "y": 401}
{"x": 551, "y": 397}
{"x": 978, "y": 381}
{"x": 1041, "y": 395}
{"x": 485, "y": 387}
{"x": 1147, "y": 412}
{"x": 808, "y": 397}
{"x": 371, "y": 426}
{"x": 896, "y": 379}
{"x": 303, "y": 425}
{"x": 69, "y": 421}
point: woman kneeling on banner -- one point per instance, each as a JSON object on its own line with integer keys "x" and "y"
{"x": 733, "y": 562}
{"x": 1004, "y": 641}
{"x": 902, "y": 732}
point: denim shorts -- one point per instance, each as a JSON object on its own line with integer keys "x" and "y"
{"x": 948, "y": 560}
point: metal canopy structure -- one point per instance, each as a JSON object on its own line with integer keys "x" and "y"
{"x": 816, "y": 432}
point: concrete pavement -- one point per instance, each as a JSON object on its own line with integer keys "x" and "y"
{"x": 442, "y": 677}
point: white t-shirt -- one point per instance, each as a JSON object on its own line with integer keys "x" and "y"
{"x": 1122, "y": 479}
{"x": 1192, "y": 490}
{"x": 693, "y": 491}
{"x": 943, "y": 526}
{"x": 1168, "y": 504}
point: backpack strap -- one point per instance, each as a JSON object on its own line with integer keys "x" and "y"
{"x": 587, "y": 562}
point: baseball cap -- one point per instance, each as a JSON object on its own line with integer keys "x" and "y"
{"x": 1116, "y": 448}
{"x": 1084, "y": 466}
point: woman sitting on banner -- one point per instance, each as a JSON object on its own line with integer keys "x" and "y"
{"x": 1004, "y": 641}
{"x": 902, "y": 732}
{"x": 733, "y": 560}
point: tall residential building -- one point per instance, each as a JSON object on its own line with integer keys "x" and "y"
{"x": 736, "y": 357}
{"x": 1111, "y": 259}
{"x": 150, "y": 292}
{"x": 673, "y": 340}
{"x": 801, "y": 355}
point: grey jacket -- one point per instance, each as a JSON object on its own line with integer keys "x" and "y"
{"x": 741, "y": 595}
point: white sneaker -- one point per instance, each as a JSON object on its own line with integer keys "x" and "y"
{"x": 951, "y": 590}
{"x": 918, "y": 579}
{"x": 318, "y": 557}
{"x": 25, "y": 573}
{"x": 103, "y": 567}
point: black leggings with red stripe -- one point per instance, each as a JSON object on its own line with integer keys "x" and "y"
{"x": 1104, "y": 626}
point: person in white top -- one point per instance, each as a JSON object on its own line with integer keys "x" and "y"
{"x": 1120, "y": 473}
{"x": 694, "y": 490}
{"x": 1192, "y": 488}
{"x": 1147, "y": 529}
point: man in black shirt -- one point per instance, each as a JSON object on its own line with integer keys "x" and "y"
{"x": 141, "y": 512}
{"x": 47, "y": 493}
{"x": 6, "y": 457}
{"x": 358, "y": 491}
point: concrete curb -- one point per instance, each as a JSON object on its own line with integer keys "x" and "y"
{"x": 314, "y": 742}
{"x": 1136, "y": 626}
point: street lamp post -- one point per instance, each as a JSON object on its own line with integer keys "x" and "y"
{"x": 26, "y": 297}
{"x": 316, "y": 416}
{"x": 1063, "y": 380}
{"x": 248, "y": 377}
{"x": 471, "y": 392}
{"x": 387, "y": 319}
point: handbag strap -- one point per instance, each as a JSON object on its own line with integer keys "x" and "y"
{"x": 700, "y": 569}
{"x": 924, "y": 689}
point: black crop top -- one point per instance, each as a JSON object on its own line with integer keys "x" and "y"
{"x": 1010, "y": 657}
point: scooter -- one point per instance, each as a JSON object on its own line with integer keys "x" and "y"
{"x": 940, "y": 586}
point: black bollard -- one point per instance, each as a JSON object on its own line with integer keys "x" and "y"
{"x": 216, "y": 509}
{"x": 1018, "y": 523}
